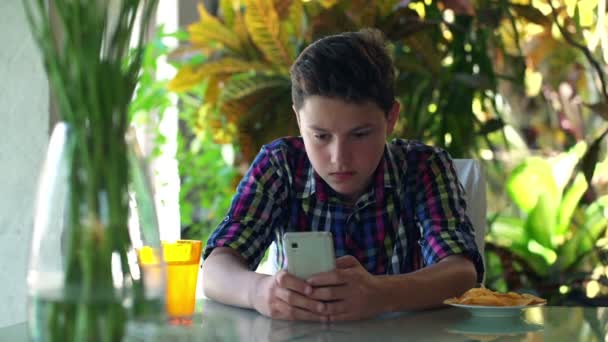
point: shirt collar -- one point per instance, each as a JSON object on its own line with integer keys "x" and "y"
{"x": 387, "y": 174}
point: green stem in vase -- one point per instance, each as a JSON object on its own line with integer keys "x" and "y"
{"x": 93, "y": 73}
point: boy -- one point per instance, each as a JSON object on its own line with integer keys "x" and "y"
{"x": 392, "y": 207}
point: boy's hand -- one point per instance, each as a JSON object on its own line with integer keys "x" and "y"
{"x": 284, "y": 296}
{"x": 352, "y": 292}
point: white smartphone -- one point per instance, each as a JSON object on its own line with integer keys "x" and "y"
{"x": 309, "y": 253}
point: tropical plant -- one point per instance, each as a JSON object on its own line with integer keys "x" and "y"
{"x": 556, "y": 242}
{"x": 234, "y": 71}
{"x": 441, "y": 54}
{"x": 556, "y": 235}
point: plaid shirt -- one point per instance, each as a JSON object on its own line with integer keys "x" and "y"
{"x": 412, "y": 215}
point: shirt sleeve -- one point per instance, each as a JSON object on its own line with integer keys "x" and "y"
{"x": 441, "y": 212}
{"x": 256, "y": 209}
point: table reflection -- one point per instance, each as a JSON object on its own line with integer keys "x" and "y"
{"x": 217, "y": 322}
{"x": 492, "y": 328}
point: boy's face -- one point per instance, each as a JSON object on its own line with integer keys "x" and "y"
{"x": 345, "y": 141}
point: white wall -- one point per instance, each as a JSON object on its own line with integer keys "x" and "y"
{"x": 24, "y": 122}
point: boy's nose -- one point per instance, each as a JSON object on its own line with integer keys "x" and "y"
{"x": 340, "y": 153}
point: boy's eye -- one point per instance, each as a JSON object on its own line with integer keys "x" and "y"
{"x": 361, "y": 134}
{"x": 321, "y": 136}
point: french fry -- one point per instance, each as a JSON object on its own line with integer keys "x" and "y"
{"x": 485, "y": 297}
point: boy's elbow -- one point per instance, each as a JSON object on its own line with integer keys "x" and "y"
{"x": 469, "y": 273}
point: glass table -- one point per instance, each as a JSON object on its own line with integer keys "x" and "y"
{"x": 217, "y": 322}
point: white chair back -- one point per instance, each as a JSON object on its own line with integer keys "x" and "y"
{"x": 473, "y": 180}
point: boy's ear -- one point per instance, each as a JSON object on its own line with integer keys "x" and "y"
{"x": 392, "y": 117}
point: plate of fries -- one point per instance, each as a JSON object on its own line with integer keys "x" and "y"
{"x": 487, "y": 303}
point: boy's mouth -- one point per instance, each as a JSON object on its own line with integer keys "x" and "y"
{"x": 341, "y": 176}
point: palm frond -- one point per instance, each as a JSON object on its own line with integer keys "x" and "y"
{"x": 264, "y": 27}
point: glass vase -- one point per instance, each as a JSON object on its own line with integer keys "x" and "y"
{"x": 87, "y": 280}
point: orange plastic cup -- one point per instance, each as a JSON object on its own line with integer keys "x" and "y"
{"x": 182, "y": 258}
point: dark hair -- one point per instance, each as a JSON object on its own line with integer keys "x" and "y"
{"x": 352, "y": 66}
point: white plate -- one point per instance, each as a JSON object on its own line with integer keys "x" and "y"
{"x": 495, "y": 311}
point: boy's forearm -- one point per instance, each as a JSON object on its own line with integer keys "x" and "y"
{"x": 227, "y": 279}
{"x": 428, "y": 287}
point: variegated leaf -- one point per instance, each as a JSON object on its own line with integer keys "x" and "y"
{"x": 212, "y": 93}
{"x": 264, "y": 27}
{"x": 189, "y": 76}
{"x": 282, "y": 7}
{"x": 231, "y": 65}
{"x": 234, "y": 110}
{"x": 209, "y": 29}
{"x": 186, "y": 53}
{"x": 227, "y": 12}
{"x": 186, "y": 78}
{"x": 240, "y": 87}
{"x": 240, "y": 28}
{"x": 296, "y": 20}
{"x": 328, "y": 3}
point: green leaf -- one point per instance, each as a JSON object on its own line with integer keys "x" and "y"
{"x": 530, "y": 179}
{"x": 584, "y": 238}
{"x": 569, "y": 203}
{"x": 564, "y": 164}
{"x": 591, "y": 157}
{"x": 507, "y": 231}
{"x": 537, "y": 262}
{"x": 596, "y": 222}
{"x": 540, "y": 224}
